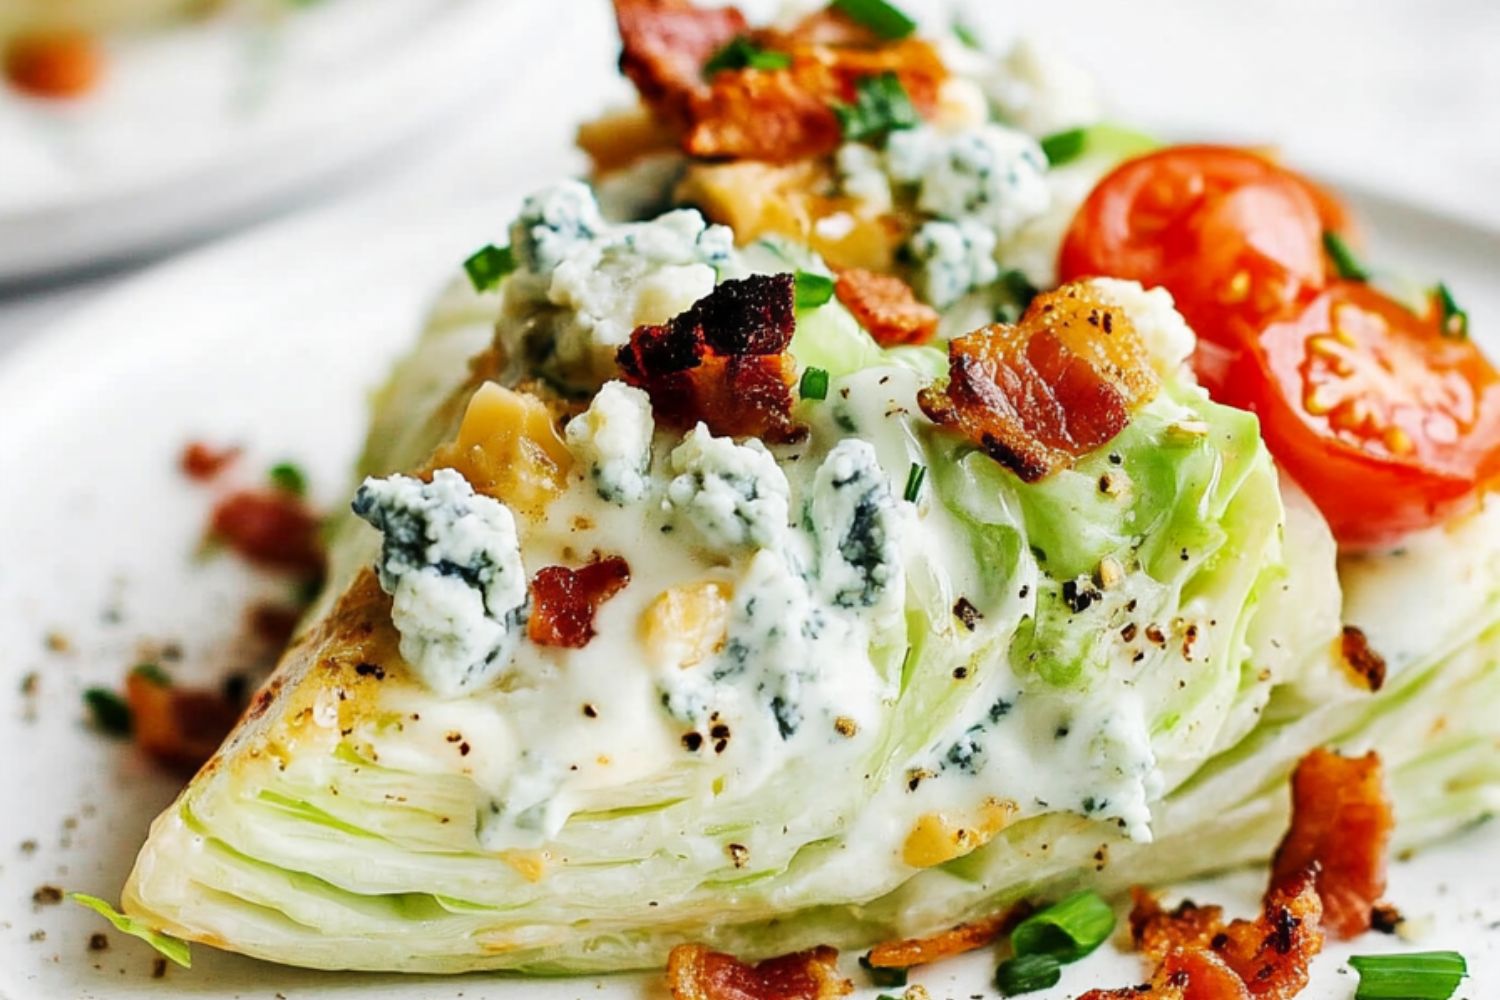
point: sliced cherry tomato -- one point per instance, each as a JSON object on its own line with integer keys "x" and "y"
{"x": 1390, "y": 425}
{"x": 1235, "y": 238}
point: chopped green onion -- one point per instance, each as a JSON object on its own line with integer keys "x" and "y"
{"x": 914, "y": 478}
{"x": 1344, "y": 262}
{"x": 1061, "y": 147}
{"x": 884, "y": 19}
{"x": 1027, "y": 974}
{"x": 881, "y": 105}
{"x": 881, "y": 975}
{"x": 1067, "y": 930}
{"x": 1455, "y": 321}
{"x": 489, "y": 265}
{"x": 742, "y": 53}
{"x": 813, "y": 289}
{"x": 288, "y": 478}
{"x": 814, "y": 384}
{"x": 1426, "y": 975}
{"x": 110, "y": 713}
{"x": 968, "y": 36}
{"x": 153, "y": 673}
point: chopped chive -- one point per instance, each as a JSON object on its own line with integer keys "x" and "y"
{"x": 881, "y": 975}
{"x": 288, "y": 478}
{"x": 814, "y": 384}
{"x": 110, "y": 713}
{"x": 886, "y": 20}
{"x": 1027, "y": 974}
{"x": 1344, "y": 261}
{"x": 1067, "y": 930}
{"x": 1063, "y": 147}
{"x": 489, "y": 265}
{"x": 812, "y": 290}
{"x": 153, "y": 673}
{"x": 1454, "y": 320}
{"x": 968, "y": 36}
{"x": 742, "y": 53}
{"x": 881, "y": 105}
{"x": 1427, "y": 975}
{"x": 914, "y": 479}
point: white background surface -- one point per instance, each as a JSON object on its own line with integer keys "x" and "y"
{"x": 1400, "y": 95}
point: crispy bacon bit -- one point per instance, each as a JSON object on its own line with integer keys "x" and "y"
{"x": 724, "y": 361}
{"x": 1341, "y": 822}
{"x": 665, "y": 44}
{"x": 910, "y": 952}
{"x": 886, "y": 306}
{"x": 60, "y": 66}
{"x": 696, "y": 973}
{"x": 1036, "y": 395}
{"x": 1202, "y": 958}
{"x": 1360, "y": 660}
{"x": 777, "y": 115}
{"x": 271, "y": 528}
{"x": 564, "y": 601}
{"x": 179, "y": 727}
{"x": 202, "y": 462}
{"x": 273, "y": 624}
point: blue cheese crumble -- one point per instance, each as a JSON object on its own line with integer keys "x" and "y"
{"x": 952, "y": 259}
{"x": 451, "y": 561}
{"x": 991, "y": 174}
{"x": 583, "y": 285}
{"x": 854, "y": 519}
{"x": 730, "y": 495}
{"x": 612, "y": 439}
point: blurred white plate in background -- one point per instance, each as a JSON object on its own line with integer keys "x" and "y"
{"x": 273, "y": 340}
{"x": 198, "y": 125}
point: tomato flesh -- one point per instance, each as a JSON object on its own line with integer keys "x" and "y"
{"x": 1388, "y": 424}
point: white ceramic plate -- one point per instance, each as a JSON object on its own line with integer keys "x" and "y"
{"x": 273, "y": 340}
{"x": 207, "y": 123}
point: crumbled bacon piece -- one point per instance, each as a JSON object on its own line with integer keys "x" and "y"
{"x": 910, "y": 952}
{"x": 64, "y": 65}
{"x": 696, "y": 973}
{"x": 564, "y": 601}
{"x": 271, "y": 528}
{"x": 1200, "y": 957}
{"x": 179, "y": 727}
{"x": 1036, "y": 395}
{"x": 273, "y": 624}
{"x": 202, "y": 462}
{"x": 724, "y": 361}
{"x": 778, "y": 114}
{"x": 1361, "y": 660}
{"x": 886, "y": 306}
{"x": 665, "y": 44}
{"x": 1341, "y": 822}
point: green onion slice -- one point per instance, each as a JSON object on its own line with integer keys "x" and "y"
{"x": 881, "y": 105}
{"x": 1427, "y": 975}
{"x": 1027, "y": 974}
{"x": 812, "y": 290}
{"x": 915, "y": 476}
{"x": 814, "y": 384}
{"x": 489, "y": 265}
{"x": 288, "y": 478}
{"x": 1066, "y": 930}
{"x": 886, "y": 20}
{"x": 153, "y": 673}
{"x": 742, "y": 53}
{"x": 1454, "y": 320}
{"x": 1344, "y": 261}
{"x": 968, "y": 36}
{"x": 110, "y": 713}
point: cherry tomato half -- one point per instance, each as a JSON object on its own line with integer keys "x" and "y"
{"x": 1389, "y": 424}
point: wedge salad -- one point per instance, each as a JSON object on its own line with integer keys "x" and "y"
{"x": 885, "y": 493}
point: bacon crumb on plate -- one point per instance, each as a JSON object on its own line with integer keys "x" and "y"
{"x": 1036, "y": 395}
{"x": 694, "y": 972}
{"x": 271, "y": 528}
{"x": 56, "y": 66}
{"x": 179, "y": 727}
{"x": 886, "y": 307}
{"x": 1341, "y": 822}
{"x": 564, "y": 601}
{"x": 909, "y": 952}
{"x": 724, "y": 361}
{"x": 201, "y": 461}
